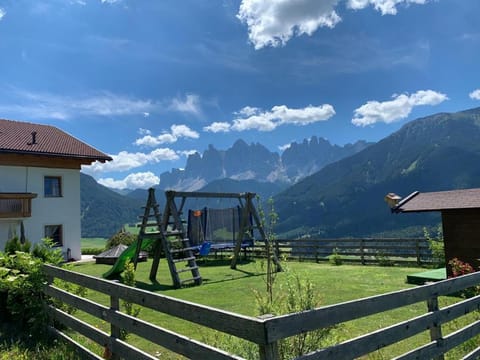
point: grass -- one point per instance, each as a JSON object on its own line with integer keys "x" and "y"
{"x": 232, "y": 290}
{"x": 93, "y": 243}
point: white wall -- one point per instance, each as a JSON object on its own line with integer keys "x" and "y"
{"x": 63, "y": 210}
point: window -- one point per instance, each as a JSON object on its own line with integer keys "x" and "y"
{"x": 52, "y": 186}
{"x": 55, "y": 233}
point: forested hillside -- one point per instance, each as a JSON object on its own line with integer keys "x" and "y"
{"x": 438, "y": 152}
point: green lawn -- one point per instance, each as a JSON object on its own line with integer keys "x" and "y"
{"x": 233, "y": 290}
{"x": 93, "y": 243}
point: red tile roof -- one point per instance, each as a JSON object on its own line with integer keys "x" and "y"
{"x": 441, "y": 200}
{"x": 28, "y": 138}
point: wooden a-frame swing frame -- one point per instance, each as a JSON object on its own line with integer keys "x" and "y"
{"x": 171, "y": 221}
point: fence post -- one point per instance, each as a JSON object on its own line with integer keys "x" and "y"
{"x": 115, "y": 331}
{"x": 362, "y": 251}
{"x": 436, "y": 329}
{"x": 417, "y": 248}
{"x": 268, "y": 351}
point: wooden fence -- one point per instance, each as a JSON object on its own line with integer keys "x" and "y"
{"x": 360, "y": 250}
{"x": 266, "y": 331}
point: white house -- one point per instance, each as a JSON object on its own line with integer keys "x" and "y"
{"x": 40, "y": 184}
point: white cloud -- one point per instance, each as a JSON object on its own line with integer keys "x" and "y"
{"x": 47, "y": 105}
{"x": 396, "y": 109}
{"x": 216, "y": 127}
{"x": 177, "y": 131}
{"x": 275, "y": 22}
{"x": 304, "y": 116}
{"x": 125, "y": 161}
{"x": 247, "y": 111}
{"x": 40, "y": 105}
{"x": 279, "y": 115}
{"x": 386, "y": 7}
{"x": 191, "y": 104}
{"x": 141, "y": 180}
{"x": 183, "y": 131}
{"x": 475, "y": 94}
{"x": 187, "y": 153}
{"x": 143, "y": 131}
{"x": 2, "y": 13}
{"x": 110, "y": 1}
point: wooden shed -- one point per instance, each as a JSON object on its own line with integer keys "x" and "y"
{"x": 460, "y": 211}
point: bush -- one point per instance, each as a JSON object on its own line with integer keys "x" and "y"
{"x": 436, "y": 246}
{"x": 13, "y": 245}
{"x": 121, "y": 237}
{"x": 92, "y": 251}
{"x": 383, "y": 260}
{"x": 460, "y": 268}
{"x": 335, "y": 258}
{"x": 21, "y": 287}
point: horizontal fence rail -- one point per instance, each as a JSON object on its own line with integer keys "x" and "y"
{"x": 266, "y": 331}
{"x": 358, "y": 250}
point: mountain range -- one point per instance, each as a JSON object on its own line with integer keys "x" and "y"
{"x": 255, "y": 162}
{"x": 320, "y": 189}
{"x": 241, "y": 168}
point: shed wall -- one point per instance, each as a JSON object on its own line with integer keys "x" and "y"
{"x": 461, "y": 232}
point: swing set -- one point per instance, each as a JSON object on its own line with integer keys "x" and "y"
{"x": 206, "y": 229}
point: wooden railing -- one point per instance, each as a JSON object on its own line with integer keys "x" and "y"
{"x": 359, "y": 250}
{"x": 16, "y": 205}
{"x": 267, "y": 331}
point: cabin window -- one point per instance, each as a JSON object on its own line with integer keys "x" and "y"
{"x": 54, "y": 232}
{"x": 52, "y": 186}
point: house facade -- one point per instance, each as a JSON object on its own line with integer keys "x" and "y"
{"x": 40, "y": 184}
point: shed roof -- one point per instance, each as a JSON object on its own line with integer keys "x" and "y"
{"x": 440, "y": 200}
{"x": 27, "y": 138}
{"x": 114, "y": 252}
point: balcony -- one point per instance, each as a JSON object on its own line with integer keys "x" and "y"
{"x": 16, "y": 205}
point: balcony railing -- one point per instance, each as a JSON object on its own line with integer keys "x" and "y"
{"x": 16, "y": 205}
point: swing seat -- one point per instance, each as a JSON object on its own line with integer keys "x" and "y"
{"x": 205, "y": 248}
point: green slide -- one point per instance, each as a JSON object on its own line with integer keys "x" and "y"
{"x": 126, "y": 256}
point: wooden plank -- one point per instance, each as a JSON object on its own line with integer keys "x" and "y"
{"x": 447, "y": 343}
{"x": 82, "y": 327}
{"x": 81, "y": 350}
{"x": 245, "y": 327}
{"x": 101, "y": 338}
{"x": 175, "y": 342}
{"x": 198, "y": 194}
{"x": 383, "y": 337}
{"x": 473, "y": 355}
{"x": 292, "y": 324}
{"x": 166, "y": 338}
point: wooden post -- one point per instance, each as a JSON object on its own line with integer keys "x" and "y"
{"x": 362, "y": 251}
{"x": 436, "y": 329}
{"x": 268, "y": 351}
{"x": 417, "y": 249}
{"x": 115, "y": 332}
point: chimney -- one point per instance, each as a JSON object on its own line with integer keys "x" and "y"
{"x": 392, "y": 199}
{"x": 34, "y": 138}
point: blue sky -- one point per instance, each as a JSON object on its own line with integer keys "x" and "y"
{"x": 149, "y": 81}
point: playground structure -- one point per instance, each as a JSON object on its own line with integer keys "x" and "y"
{"x": 169, "y": 234}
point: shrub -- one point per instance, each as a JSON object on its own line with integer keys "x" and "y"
{"x": 92, "y": 251}
{"x": 21, "y": 286}
{"x": 460, "y": 268}
{"x": 13, "y": 245}
{"x": 130, "y": 308}
{"x": 121, "y": 237}
{"x": 335, "y": 258}
{"x": 383, "y": 260}
{"x": 436, "y": 246}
